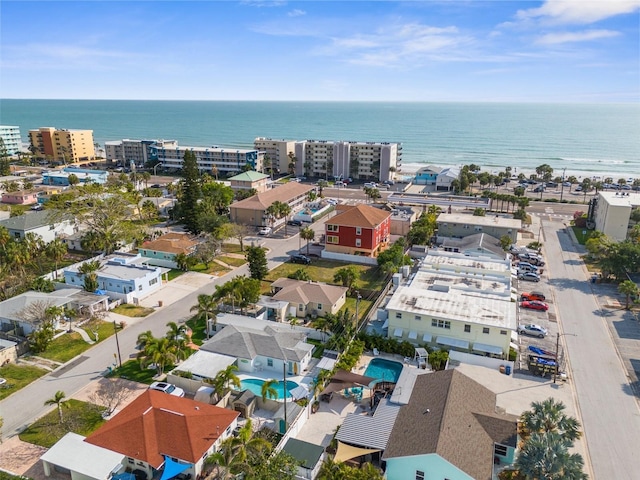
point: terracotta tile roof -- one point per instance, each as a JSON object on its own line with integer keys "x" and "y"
{"x": 156, "y": 423}
{"x": 360, "y": 216}
{"x": 171, "y": 243}
{"x": 304, "y": 292}
{"x": 455, "y": 417}
{"x": 284, "y": 193}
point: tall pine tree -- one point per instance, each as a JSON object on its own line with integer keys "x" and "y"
{"x": 191, "y": 192}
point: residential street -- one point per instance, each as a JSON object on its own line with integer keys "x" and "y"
{"x": 26, "y": 405}
{"x": 609, "y": 411}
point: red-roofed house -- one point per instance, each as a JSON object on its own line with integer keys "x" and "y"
{"x": 157, "y": 424}
{"x": 358, "y": 230}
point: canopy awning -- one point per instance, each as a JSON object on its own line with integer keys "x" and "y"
{"x": 172, "y": 468}
{"x": 385, "y": 325}
{"x": 398, "y": 332}
{"x": 299, "y": 392}
{"x": 413, "y": 335}
{"x": 452, "y": 342}
{"x": 343, "y": 379}
{"x": 427, "y": 337}
{"x": 483, "y": 347}
{"x": 347, "y": 452}
{"x": 421, "y": 353}
{"x": 326, "y": 363}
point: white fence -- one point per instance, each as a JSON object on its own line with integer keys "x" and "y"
{"x": 482, "y": 361}
{"x": 345, "y": 257}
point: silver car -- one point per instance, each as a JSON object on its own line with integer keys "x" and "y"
{"x": 529, "y": 276}
{"x": 533, "y": 330}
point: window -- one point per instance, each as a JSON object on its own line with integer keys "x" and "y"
{"x": 358, "y": 242}
{"x": 440, "y": 323}
{"x": 398, "y": 315}
{"x": 301, "y": 307}
{"x": 332, "y": 228}
{"x": 467, "y": 328}
{"x": 477, "y": 229}
{"x": 503, "y": 332}
{"x": 153, "y": 281}
{"x": 418, "y": 317}
{"x": 332, "y": 239}
{"x": 140, "y": 287}
{"x": 485, "y": 330}
{"x": 419, "y": 475}
{"x": 358, "y": 230}
{"x": 319, "y": 306}
{"x": 269, "y": 362}
{"x": 500, "y": 450}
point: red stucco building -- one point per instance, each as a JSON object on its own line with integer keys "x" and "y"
{"x": 358, "y": 230}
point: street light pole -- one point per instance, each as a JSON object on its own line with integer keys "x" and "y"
{"x": 115, "y": 329}
{"x": 558, "y": 335}
{"x": 562, "y": 186}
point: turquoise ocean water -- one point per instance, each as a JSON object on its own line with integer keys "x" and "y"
{"x": 593, "y": 140}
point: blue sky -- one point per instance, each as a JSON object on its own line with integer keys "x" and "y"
{"x": 449, "y": 50}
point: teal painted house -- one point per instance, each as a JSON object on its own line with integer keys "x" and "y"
{"x": 427, "y": 175}
{"x": 162, "y": 251}
{"x": 450, "y": 430}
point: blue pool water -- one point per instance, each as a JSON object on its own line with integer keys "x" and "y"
{"x": 255, "y": 385}
{"x": 382, "y": 369}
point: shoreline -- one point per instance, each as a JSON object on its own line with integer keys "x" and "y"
{"x": 412, "y": 168}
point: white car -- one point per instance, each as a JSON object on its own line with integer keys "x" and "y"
{"x": 533, "y": 330}
{"x": 332, "y": 201}
{"x": 169, "y": 388}
{"x": 371, "y": 185}
{"x": 264, "y": 231}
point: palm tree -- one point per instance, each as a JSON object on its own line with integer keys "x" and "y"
{"x": 629, "y": 289}
{"x": 546, "y": 456}
{"x": 175, "y": 331}
{"x": 245, "y": 444}
{"x": 549, "y": 416}
{"x": 308, "y": 234}
{"x": 228, "y": 377}
{"x": 56, "y": 250}
{"x": 321, "y": 324}
{"x": 157, "y": 351}
{"x": 268, "y": 389}
{"x": 207, "y": 308}
{"x": 59, "y": 401}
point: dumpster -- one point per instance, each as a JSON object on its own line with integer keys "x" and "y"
{"x": 508, "y": 370}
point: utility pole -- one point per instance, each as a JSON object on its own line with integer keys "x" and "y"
{"x": 115, "y": 329}
{"x": 558, "y": 335}
{"x": 285, "y": 392}
{"x": 562, "y": 185}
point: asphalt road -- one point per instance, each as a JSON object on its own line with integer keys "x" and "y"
{"x": 609, "y": 411}
{"x": 26, "y": 405}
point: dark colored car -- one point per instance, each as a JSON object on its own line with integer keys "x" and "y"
{"x": 295, "y": 223}
{"x": 300, "y": 259}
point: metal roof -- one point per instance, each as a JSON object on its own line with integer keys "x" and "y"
{"x": 370, "y": 432}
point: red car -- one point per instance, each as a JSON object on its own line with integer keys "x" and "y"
{"x": 528, "y": 296}
{"x": 535, "y": 305}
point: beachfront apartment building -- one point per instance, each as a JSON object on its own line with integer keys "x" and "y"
{"x": 611, "y": 212}
{"x": 276, "y": 153}
{"x": 126, "y": 151}
{"x": 67, "y": 146}
{"x": 456, "y": 302}
{"x": 217, "y": 161}
{"x": 10, "y": 136}
{"x": 328, "y": 159}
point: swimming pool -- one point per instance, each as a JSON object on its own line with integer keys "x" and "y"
{"x": 382, "y": 369}
{"x": 255, "y": 386}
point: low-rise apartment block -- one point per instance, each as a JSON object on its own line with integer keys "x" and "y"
{"x": 611, "y": 213}
{"x": 462, "y": 225}
{"x": 456, "y": 302}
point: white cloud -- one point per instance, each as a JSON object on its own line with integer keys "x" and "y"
{"x": 572, "y": 37}
{"x": 296, "y": 13}
{"x": 579, "y": 11}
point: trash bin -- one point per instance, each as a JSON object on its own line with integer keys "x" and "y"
{"x": 508, "y": 370}
{"x": 160, "y": 303}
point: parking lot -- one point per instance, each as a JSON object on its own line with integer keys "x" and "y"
{"x": 545, "y": 319}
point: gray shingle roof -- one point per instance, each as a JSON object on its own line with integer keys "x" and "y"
{"x": 308, "y": 454}
{"x": 250, "y": 343}
{"x": 453, "y": 416}
{"x": 305, "y": 292}
{"x": 28, "y": 221}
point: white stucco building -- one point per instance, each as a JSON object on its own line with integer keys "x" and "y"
{"x": 612, "y": 213}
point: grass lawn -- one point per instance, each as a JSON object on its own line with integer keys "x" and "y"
{"x": 319, "y": 350}
{"x": 323, "y": 271}
{"x": 363, "y": 307}
{"x": 231, "y": 248}
{"x": 104, "y": 329}
{"x": 233, "y": 261}
{"x": 582, "y": 237}
{"x": 131, "y": 371}
{"x": 65, "y": 347}
{"x": 131, "y": 310}
{"x": 174, "y": 273}
{"x": 80, "y": 417}
{"x": 17, "y": 377}
{"x": 197, "y": 326}
{"x": 213, "y": 268}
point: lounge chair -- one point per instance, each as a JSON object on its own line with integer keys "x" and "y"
{"x": 375, "y": 352}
